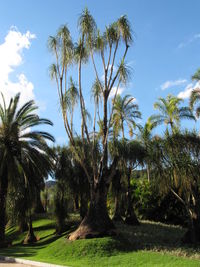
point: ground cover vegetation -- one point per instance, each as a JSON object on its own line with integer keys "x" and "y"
{"x": 112, "y": 174}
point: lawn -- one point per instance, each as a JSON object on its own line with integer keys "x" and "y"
{"x": 150, "y": 244}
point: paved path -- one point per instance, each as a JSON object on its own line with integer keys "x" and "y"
{"x": 9, "y": 264}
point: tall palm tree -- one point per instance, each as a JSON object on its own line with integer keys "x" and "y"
{"x": 145, "y": 137}
{"x": 195, "y": 95}
{"x": 107, "y": 46}
{"x": 125, "y": 111}
{"x": 170, "y": 112}
{"x": 135, "y": 156}
{"x": 20, "y": 148}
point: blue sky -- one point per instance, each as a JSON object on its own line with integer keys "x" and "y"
{"x": 164, "y": 56}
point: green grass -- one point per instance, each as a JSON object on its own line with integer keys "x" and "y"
{"x": 151, "y": 244}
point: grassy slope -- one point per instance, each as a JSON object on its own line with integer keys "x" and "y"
{"x": 150, "y": 244}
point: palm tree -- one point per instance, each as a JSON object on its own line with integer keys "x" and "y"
{"x": 20, "y": 148}
{"x": 125, "y": 111}
{"x": 72, "y": 95}
{"x": 170, "y": 112}
{"x": 175, "y": 162}
{"x": 134, "y": 154}
{"x": 195, "y": 95}
{"x": 145, "y": 137}
{"x": 91, "y": 41}
{"x": 196, "y": 76}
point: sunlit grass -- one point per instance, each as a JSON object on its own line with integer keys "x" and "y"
{"x": 150, "y": 244}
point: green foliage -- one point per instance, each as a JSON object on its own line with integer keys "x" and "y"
{"x": 170, "y": 112}
{"x": 196, "y": 76}
{"x": 151, "y": 205}
{"x": 125, "y": 111}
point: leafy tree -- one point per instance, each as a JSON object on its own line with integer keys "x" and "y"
{"x": 63, "y": 172}
{"x": 20, "y": 149}
{"x": 176, "y": 168}
{"x": 108, "y": 45}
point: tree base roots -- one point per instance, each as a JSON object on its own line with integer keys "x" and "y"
{"x": 85, "y": 232}
{"x": 30, "y": 239}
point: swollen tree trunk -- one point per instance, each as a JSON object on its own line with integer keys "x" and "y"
{"x": 130, "y": 214}
{"x": 30, "y": 237}
{"x": 3, "y": 195}
{"x": 97, "y": 222}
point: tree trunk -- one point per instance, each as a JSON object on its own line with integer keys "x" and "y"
{"x": 38, "y": 206}
{"x": 23, "y": 226}
{"x": 3, "y": 195}
{"x": 97, "y": 222}
{"x": 76, "y": 202}
{"x": 30, "y": 237}
{"x": 130, "y": 214}
{"x": 116, "y": 183}
{"x": 83, "y": 205}
{"x": 193, "y": 233}
{"x": 123, "y": 205}
{"x": 117, "y": 213}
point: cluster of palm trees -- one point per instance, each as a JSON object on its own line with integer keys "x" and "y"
{"x": 112, "y": 117}
{"x": 99, "y": 155}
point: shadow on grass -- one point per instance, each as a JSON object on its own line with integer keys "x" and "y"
{"x": 157, "y": 237}
{"x": 148, "y": 236}
{"x": 17, "y": 251}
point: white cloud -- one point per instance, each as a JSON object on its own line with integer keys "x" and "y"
{"x": 11, "y": 56}
{"x": 169, "y": 84}
{"x": 188, "y": 89}
{"x": 189, "y": 41}
{"x": 113, "y": 91}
